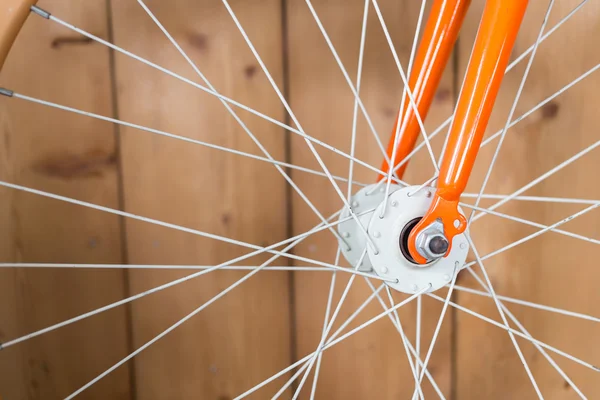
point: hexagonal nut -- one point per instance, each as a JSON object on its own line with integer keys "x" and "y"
{"x": 431, "y": 243}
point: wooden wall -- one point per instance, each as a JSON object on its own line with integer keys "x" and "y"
{"x": 275, "y": 317}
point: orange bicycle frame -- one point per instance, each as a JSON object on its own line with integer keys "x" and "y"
{"x": 439, "y": 36}
{"x": 495, "y": 39}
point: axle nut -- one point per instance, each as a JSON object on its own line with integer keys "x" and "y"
{"x": 431, "y": 242}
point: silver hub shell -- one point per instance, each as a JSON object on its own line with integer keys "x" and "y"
{"x": 388, "y": 260}
{"x": 354, "y": 239}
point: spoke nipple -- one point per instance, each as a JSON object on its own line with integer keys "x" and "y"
{"x": 41, "y": 12}
{"x": 6, "y": 92}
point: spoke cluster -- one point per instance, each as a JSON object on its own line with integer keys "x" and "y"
{"x": 312, "y": 361}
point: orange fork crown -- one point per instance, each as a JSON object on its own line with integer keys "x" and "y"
{"x": 495, "y": 39}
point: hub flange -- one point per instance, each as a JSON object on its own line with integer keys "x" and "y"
{"x": 404, "y": 207}
{"x": 367, "y": 198}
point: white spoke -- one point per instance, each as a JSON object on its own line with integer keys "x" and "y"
{"x": 217, "y": 95}
{"x": 348, "y": 80}
{"x": 240, "y": 122}
{"x": 542, "y": 177}
{"x": 511, "y": 66}
{"x": 405, "y": 82}
{"x": 503, "y": 316}
{"x": 325, "y": 321}
{"x": 513, "y": 109}
{"x": 197, "y": 232}
{"x": 418, "y": 367}
{"x": 418, "y": 330}
{"x": 361, "y": 52}
{"x": 331, "y": 342}
{"x": 359, "y": 328}
{"x": 297, "y": 123}
{"x": 164, "y": 267}
{"x": 294, "y": 241}
{"x": 544, "y": 102}
{"x": 428, "y": 182}
{"x": 535, "y": 234}
{"x": 405, "y": 343}
{"x": 530, "y": 304}
{"x": 175, "y": 325}
{"x": 350, "y": 181}
{"x": 439, "y": 324}
{"x": 329, "y": 326}
{"x": 419, "y": 363}
{"x": 400, "y": 119}
{"x": 520, "y": 334}
{"x": 522, "y": 328}
{"x": 538, "y": 199}
{"x": 413, "y": 51}
{"x": 306, "y": 358}
{"x": 289, "y": 382}
{"x": 169, "y": 135}
{"x": 547, "y": 34}
{"x": 531, "y": 223}
{"x": 324, "y": 334}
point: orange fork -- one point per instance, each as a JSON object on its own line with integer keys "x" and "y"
{"x": 435, "y": 48}
{"x": 496, "y": 36}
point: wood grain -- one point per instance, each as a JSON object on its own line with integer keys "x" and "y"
{"x": 552, "y": 269}
{"x": 243, "y": 338}
{"x": 73, "y": 156}
{"x": 371, "y": 364}
{"x": 256, "y": 330}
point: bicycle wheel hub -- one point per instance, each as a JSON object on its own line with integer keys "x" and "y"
{"x": 353, "y": 240}
{"x": 389, "y": 230}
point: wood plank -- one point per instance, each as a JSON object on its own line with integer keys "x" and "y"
{"x": 243, "y": 338}
{"x": 73, "y": 156}
{"x": 371, "y": 364}
{"x": 552, "y": 269}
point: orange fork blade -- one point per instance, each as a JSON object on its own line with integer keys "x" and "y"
{"x": 495, "y": 39}
{"x": 439, "y": 36}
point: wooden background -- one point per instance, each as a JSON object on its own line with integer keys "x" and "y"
{"x": 275, "y": 317}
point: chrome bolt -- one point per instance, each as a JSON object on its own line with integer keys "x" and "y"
{"x": 438, "y": 244}
{"x": 431, "y": 243}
